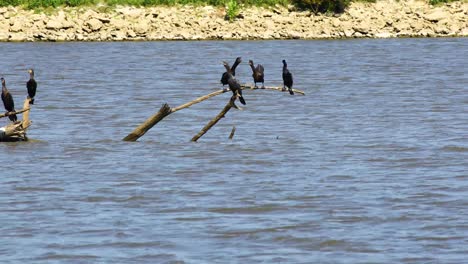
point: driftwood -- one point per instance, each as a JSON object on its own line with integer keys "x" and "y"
{"x": 148, "y": 124}
{"x": 271, "y": 88}
{"x": 14, "y": 113}
{"x": 166, "y": 110}
{"x": 16, "y": 131}
{"x": 215, "y": 120}
{"x": 231, "y": 136}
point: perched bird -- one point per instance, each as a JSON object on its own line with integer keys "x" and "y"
{"x": 8, "y": 101}
{"x": 32, "y": 86}
{"x": 257, "y": 73}
{"x": 224, "y": 77}
{"x": 233, "y": 83}
{"x": 287, "y": 78}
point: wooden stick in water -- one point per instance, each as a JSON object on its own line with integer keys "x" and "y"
{"x": 232, "y": 132}
{"x": 215, "y": 120}
{"x": 26, "y": 121}
{"x": 16, "y": 131}
{"x": 148, "y": 124}
{"x": 166, "y": 110}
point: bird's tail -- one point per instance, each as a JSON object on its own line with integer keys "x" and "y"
{"x": 13, "y": 118}
{"x": 291, "y": 91}
{"x": 241, "y": 99}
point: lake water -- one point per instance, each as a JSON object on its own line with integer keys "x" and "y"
{"x": 371, "y": 166}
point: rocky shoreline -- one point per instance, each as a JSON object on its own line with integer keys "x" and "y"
{"x": 384, "y": 19}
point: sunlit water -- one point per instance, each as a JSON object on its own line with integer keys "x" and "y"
{"x": 371, "y": 166}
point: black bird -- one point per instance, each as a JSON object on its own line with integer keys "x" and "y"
{"x": 8, "y": 101}
{"x": 287, "y": 78}
{"x": 32, "y": 86}
{"x": 257, "y": 73}
{"x": 233, "y": 83}
{"x": 224, "y": 78}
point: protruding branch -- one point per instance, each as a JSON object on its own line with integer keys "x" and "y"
{"x": 271, "y": 88}
{"x": 198, "y": 100}
{"x": 215, "y": 120}
{"x": 14, "y": 113}
{"x": 148, "y": 124}
{"x": 26, "y": 121}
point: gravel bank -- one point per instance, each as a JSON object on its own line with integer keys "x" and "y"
{"x": 384, "y": 19}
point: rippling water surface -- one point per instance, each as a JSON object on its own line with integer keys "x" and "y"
{"x": 371, "y": 166}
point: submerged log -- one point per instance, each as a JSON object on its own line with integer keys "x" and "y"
{"x": 166, "y": 110}
{"x": 16, "y": 131}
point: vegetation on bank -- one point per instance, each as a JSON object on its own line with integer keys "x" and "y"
{"x": 233, "y": 6}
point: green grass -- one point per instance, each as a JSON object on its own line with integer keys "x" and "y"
{"x": 436, "y": 2}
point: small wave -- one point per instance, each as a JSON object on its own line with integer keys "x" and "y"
{"x": 53, "y": 256}
{"x": 39, "y": 189}
{"x": 248, "y": 210}
{"x": 454, "y": 149}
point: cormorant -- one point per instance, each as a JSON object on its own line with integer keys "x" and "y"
{"x": 287, "y": 78}
{"x": 257, "y": 73}
{"x": 233, "y": 83}
{"x": 8, "y": 101}
{"x": 224, "y": 78}
{"x": 32, "y": 86}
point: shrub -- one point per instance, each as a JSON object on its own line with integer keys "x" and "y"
{"x": 9, "y": 2}
{"x": 232, "y": 9}
{"x": 322, "y": 6}
{"x": 33, "y": 4}
{"x": 79, "y": 2}
{"x": 436, "y": 2}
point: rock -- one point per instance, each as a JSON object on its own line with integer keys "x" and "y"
{"x": 103, "y": 19}
{"x": 440, "y": 29}
{"x": 401, "y": 26}
{"x": 141, "y": 28}
{"x": 294, "y": 35}
{"x": 54, "y": 25}
{"x": 131, "y": 34}
{"x": 464, "y": 32}
{"x": 18, "y": 37}
{"x": 361, "y": 29}
{"x": 17, "y": 26}
{"x": 436, "y": 15}
{"x": 348, "y": 33}
{"x": 92, "y": 25}
{"x": 383, "y": 35}
{"x": 277, "y": 11}
{"x": 426, "y": 32}
{"x": 383, "y": 19}
{"x": 358, "y": 35}
{"x": 131, "y": 12}
{"x": 4, "y": 36}
{"x": 118, "y": 35}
